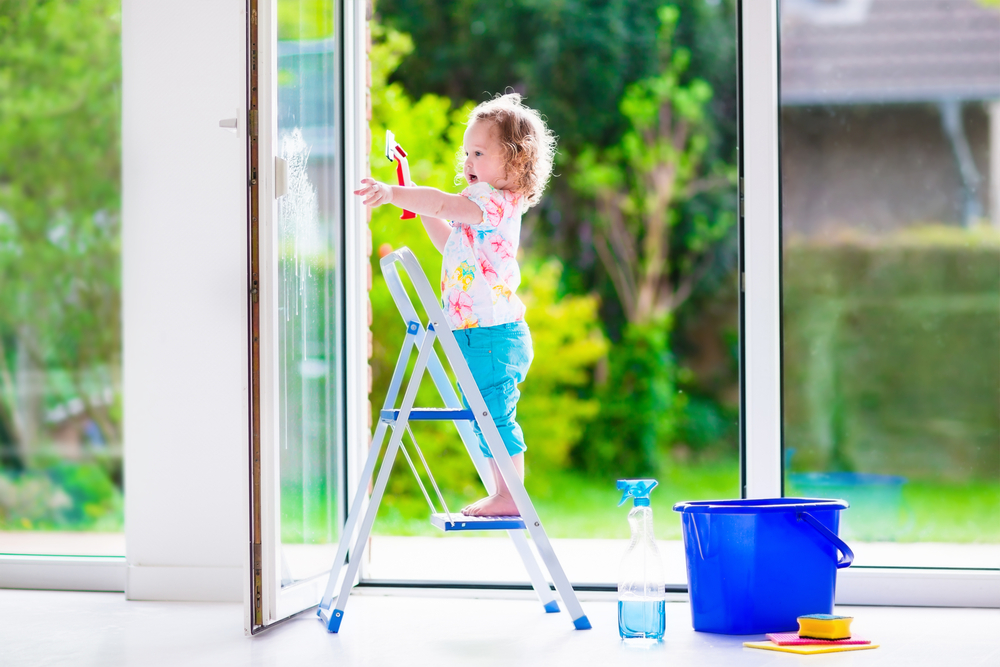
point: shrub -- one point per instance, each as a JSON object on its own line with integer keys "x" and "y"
{"x": 640, "y": 408}
{"x": 892, "y": 354}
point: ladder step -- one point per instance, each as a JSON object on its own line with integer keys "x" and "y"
{"x": 461, "y": 522}
{"x": 428, "y": 414}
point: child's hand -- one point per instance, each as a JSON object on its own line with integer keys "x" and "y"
{"x": 377, "y": 193}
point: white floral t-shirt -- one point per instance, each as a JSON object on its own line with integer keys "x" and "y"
{"x": 479, "y": 272}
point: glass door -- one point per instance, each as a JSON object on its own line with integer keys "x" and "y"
{"x": 891, "y": 275}
{"x": 298, "y": 420}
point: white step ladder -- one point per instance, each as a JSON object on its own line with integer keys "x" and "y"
{"x": 353, "y": 539}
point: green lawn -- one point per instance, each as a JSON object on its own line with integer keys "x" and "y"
{"x": 574, "y": 506}
{"x": 951, "y": 512}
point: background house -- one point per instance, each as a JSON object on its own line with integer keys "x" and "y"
{"x": 888, "y": 109}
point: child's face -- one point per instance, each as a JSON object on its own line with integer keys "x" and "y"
{"x": 483, "y": 155}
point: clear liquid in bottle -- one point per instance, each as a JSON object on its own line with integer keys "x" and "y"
{"x": 641, "y": 619}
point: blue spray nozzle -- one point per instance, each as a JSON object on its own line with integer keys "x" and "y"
{"x": 636, "y": 489}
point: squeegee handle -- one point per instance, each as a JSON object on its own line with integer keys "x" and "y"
{"x": 403, "y": 177}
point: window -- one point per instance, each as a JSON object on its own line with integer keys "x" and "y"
{"x": 60, "y": 302}
{"x": 891, "y": 275}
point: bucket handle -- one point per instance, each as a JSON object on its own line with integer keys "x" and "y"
{"x": 832, "y": 536}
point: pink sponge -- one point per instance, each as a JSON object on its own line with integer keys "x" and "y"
{"x": 793, "y": 639}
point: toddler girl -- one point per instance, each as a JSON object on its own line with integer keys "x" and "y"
{"x": 508, "y": 159}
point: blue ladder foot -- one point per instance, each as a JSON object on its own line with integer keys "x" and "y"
{"x": 332, "y": 618}
{"x": 552, "y": 607}
{"x": 581, "y": 623}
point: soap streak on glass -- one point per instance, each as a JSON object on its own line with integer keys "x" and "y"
{"x": 308, "y": 269}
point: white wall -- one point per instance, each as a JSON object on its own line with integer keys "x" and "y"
{"x": 184, "y": 283}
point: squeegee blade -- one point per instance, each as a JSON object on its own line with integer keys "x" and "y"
{"x": 390, "y": 145}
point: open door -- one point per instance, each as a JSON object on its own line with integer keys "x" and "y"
{"x": 297, "y": 288}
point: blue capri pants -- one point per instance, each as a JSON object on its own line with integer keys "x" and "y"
{"x": 499, "y": 357}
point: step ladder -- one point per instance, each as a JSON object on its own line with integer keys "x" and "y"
{"x": 396, "y": 421}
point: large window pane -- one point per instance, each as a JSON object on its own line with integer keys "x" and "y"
{"x": 310, "y": 287}
{"x": 891, "y": 281}
{"x": 627, "y": 265}
{"x": 60, "y": 330}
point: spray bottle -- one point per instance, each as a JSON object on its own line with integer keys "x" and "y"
{"x": 640, "y": 578}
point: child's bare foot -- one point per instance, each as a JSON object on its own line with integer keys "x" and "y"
{"x": 495, "y": 505}
{"x": 500, "y": 503}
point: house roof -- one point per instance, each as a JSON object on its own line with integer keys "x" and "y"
{"x": 883, "y": 51}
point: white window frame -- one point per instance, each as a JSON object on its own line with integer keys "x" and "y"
{"x": 761, "y": 414}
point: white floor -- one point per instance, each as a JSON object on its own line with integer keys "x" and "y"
{"x": 40, "y": 628}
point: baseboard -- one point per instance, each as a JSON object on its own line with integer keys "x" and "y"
{"x": 188, "y": 584}
{"x": 63, "y": 573}
{"x": 912, "y": 587}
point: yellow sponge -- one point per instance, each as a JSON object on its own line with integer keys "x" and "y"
{"x": 811, "y": 648}
{"x": 825, "y": 626}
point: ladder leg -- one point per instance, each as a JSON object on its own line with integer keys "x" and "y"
{"x": 347, "y": 537}
{"x": 527, "y": 511}
{"x": 533, "y": 524}
{"x": 335, "y": 615}
{"x": 514, "y": 482}
{"x": 535, "y": 573}
{"x": 534, "y": 527}
{"x": 565, "y": 589}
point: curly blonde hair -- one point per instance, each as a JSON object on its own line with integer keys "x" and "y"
{"x": 529, "y": 147}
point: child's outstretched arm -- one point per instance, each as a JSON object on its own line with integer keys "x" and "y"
{"x": 434, "y": 207}
{"x": 437, "y": 229}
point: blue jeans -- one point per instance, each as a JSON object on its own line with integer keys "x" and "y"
{"x": 499, "y": 357}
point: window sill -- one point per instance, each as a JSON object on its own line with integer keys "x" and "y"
{"x": 63, "y": 573}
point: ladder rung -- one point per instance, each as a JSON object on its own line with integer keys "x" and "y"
{"x": 461, "y": 522}
{"x": 428, "y": 414}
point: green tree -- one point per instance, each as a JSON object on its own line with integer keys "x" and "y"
{"x": 556, "y": 402}
{"x": 636, "y": 185}
{"x": 652, "y": 260}
{"x": 60, "y": 101}
{"x": 572, "y": 60}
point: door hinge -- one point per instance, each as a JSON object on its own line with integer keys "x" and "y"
{"x": 258, "y": 597}
{"x": 742, "y": 209}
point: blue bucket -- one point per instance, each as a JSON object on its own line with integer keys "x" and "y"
{"x": 755, "y": 566}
